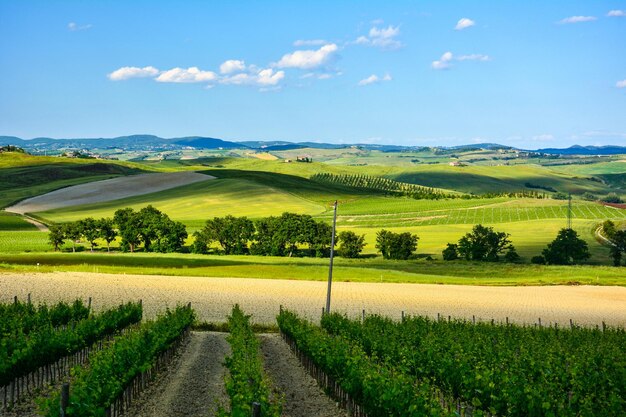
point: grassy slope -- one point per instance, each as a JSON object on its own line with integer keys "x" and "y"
{"x": 195, "y": 203}
{"x": 14, "y": 222}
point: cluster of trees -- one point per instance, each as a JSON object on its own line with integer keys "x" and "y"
{"x": 396, "y": 245}
{"x": 88, "y": 229}
{"x": 566, "y": 249}
{"x": 274, "y": 236}
{"x": 618, "y": 242}
{"x": 11, "y": 148}
{"x": 482, "y": 244}
{"x": 148, "y": 226}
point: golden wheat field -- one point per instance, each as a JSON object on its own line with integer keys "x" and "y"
{"x": 214, "y": 297}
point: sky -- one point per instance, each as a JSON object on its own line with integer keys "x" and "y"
{"x": 529, "y": 74}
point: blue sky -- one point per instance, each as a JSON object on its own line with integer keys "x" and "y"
{"x": 528, "y": 74}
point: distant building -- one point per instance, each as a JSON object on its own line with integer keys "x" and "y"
{"x": 456, "y": 164}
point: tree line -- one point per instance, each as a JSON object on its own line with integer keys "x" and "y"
{"x": 292, "y": 234}
{"x": 148, "y": 227}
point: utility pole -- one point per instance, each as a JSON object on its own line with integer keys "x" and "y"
{"x": 332, "y": 253}
{"x": 569, "y": 211}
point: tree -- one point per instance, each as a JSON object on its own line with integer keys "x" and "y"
{"x": 106, "y": 231}
{"x": 566, "y": 249}
{"x": 483, "y": 244}
{"x": 232, "y": 233}
{"x": 89, "y": 229}
{"x": 150, "y": 222}
{"x": 511, "y": 255}
{"x": 319, "y": 237}
{"x": 171, "y": 236}
{"x": 612, "y": 198}
{"x": 268, "y": 240}
{"x": 56, "y": 236}
{"x": 396, "y": 245}
{"x": 295, "y": 229}
{"x": 72, "y": 231}
{"x": 128, "y": 224}
{"x": 608, "y": 227}
{"x": 451, "y": 252}
{"x": 351, "y": 244}
{"x": 618, "y": 246}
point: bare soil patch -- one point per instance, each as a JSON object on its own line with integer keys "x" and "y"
{"x": 107, "y": 190}
{"x": 213, "y": 298}
{"x": 303, "y": 397}
{"x": 193, "y": 384}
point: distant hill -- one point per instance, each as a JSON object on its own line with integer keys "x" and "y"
{"x": 207, "y": 143}
{"x": 155, "y": 143}
{"x": 585, "y": 150}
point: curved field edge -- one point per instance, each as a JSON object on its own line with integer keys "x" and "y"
{"x": 373, "y": 270}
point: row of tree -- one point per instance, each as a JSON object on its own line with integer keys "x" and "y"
{"x": 148, "y": 227}
{"x": 274, "y": 236}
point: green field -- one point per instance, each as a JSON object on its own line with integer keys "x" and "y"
{"x": 257, "y": 188}
{"x": 316, "y": 269}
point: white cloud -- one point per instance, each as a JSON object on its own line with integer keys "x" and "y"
{"x": 264, "y": 78}
{"x": 447, "y": 58}
{"x": 269, "y": 77}
{"x": 189, "y": 75}
{"x": 384, "y": 38}
{"x": 125, "y": 73}
{"x": 577, "y": 19}
{"x": 310, "y": 42}
{"x": 232, "y": 65}
{"x": 444, "y": 62}
{"x": 621, "y": 84}
{"x": 464, "y": 23}
{"x": 616, "y": 13}
{"x": 75, "y": 27}
{"x": 473, "y": 57}
{"x": 373, "y": 79}
{"x": 308, "y": 59}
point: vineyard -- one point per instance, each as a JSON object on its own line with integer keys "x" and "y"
{"x": 75, "y": 362}
{"x": 421, "y": 367}
{"x": 474, "y": 214}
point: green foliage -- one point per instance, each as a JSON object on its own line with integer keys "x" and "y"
{"x": 106, "y": 231}
{"x": 23, "y": 353}
{"x": 560, "y": 196}
{"x": 396, "y": 245}
{"x": 110, "y": 370}
{"x": 56, "y": 236}
{"x": 507, "y": 370}
{"x": 451, "y": 252}
{"x": 483, "y": 244}
{"x": 246, "y": 382}
{"x": 151, "y": 227}
{"x": 232, "y": 233}
{"x": 511, "y": 255}
{"x": 612, "y": 198}
{"x": 618, "y": 246}
{"x": 351, "y": 244}
{"x": 24, "y": 317}
{"x": 89, "y": 229}
{"x": 608, "y": 228}
{"x": 566, "y": 249}
{"x": 538, "y": 260}
{"x": 378, "y": 388}
{"x": 73, "y": 232}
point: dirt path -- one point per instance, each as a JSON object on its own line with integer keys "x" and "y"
{"x": 194, "y": 383}
{"x": 303, "y": 397}
{"x": 40, "y": 226}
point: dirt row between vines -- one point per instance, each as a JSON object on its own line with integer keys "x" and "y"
{"x": 213, "y": 298}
